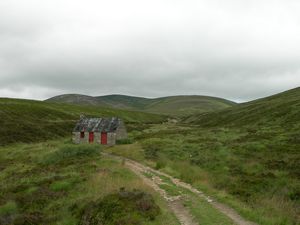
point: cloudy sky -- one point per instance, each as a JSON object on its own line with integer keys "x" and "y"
{"x": 236, "y": 49}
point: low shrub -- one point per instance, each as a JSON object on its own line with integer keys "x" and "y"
{"x": 151, "y": 152}
{"x": 8, "y": 213}
{"x": 8, "y": 208}
{"x": 123, "y": 207}
{"x": 60, "y": 186}
{"x": 152, "y": 147}
{"x": 32, "y": 218}
{"x": 160, "y": 164}
{"x": 125, "y": 141}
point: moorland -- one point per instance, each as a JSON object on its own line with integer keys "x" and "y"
{"x": 246, "y": 156}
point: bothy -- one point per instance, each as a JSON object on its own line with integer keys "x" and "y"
{"x": 105, "y": 131}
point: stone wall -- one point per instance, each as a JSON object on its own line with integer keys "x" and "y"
{"x": 78, "y": 140}
{"x": 121, "y": 132}
{"x": 76, "y": 137}
{"x": 97, "y": 137}
{"x": 111, "y": 138}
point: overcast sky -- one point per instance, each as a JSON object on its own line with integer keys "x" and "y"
{"x": 235, "y": 49}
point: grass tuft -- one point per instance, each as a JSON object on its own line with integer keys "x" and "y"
{"x": 61, "y": 186}
{"x": 8, "y": 208}
{"x": 125, "y": 141}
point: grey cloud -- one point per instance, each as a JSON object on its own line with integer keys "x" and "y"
{"x": 238, "y": 50}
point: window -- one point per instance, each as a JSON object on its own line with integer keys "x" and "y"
{"x": 81, "y": 134}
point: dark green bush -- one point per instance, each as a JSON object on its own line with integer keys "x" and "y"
{"x": 124, "y": 207}
{"x": 160, "y": 164}
{"x": 152, "y": 147}
{"x": 124, "y": 141}
{"x": 151, "y": 152}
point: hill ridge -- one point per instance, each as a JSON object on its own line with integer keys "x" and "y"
{"x": 171, "y": 105}
{"x": 282, "y": 108}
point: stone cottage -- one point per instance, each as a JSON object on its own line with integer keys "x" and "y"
{"x": 105, "y": 131}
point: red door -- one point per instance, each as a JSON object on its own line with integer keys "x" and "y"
{"x": 91, "y": 137}
{"x": 104, "y": 138}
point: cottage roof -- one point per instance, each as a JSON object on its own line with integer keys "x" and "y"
{"x": 97, "y": 125}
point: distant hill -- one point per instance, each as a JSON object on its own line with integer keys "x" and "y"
{"x": 173, "y": 105}
{"x": 76, "y": 99}
{"x": 124, "y": 101}
{"x": 281, "y": 109}
{"x": 185, "y": 105}
{"x": 252, "y": 150}
{"x": 30, "y": 121}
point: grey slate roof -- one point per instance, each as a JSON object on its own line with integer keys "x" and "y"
{"x": 97, "y": 125}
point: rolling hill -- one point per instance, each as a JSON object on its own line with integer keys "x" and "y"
{"x": 249, "y": 152}
{"x": 173, "y": 105}
{"x": 77, "y": 99}
{"x": 281, "y": 110}
{"x": 246, "y": 155}
{"x": 258, "y": 144}
{"x": 185, "y": 105}
{"x": 29, "y": 121}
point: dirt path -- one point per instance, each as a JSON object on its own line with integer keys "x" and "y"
{"x": 175, "y": 203}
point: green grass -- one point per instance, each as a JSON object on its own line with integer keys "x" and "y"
{"x": 246, "y": 156}
{"x": 8, "y": 208}
{"x": 148, "y": 174}
{"x": 123, "y": 101}
{"x": 34, "y": 192}
{"x": 125, "y": 141}
{"x": 204, "y": 212}
{"x": 173, "y": 105}
{"x": 187, "y": 105}
{"x": 132, "y": 151}
{"x": 124, "y": 207}
{"x": 278, "y": 110}
{"x": 61, "y": 186}
{"x": 32, "y": 121}
{"x": 200, "y": 209}
{"x": 253, "y": 152}
{"x": 251, "y": 173}
{"x": 171, "y": 190}
{"x": 70, "y": 152}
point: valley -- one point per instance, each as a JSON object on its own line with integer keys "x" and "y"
{"x": 245, "y": 156}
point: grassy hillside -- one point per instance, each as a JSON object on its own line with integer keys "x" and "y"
{"x": 58, "y": 183}
{"x": 173, "y": 105}
{"x": 186, "y": 105}
{"x": 254, "y": 151}
{"x": 126, "y": 102}
{"x": 76, "y": 99}
{"x": 282, "y": 109}
{"x": 248, "y": 156}
{"x": 254, "y": 170}
{"x": 29, "y": 121}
